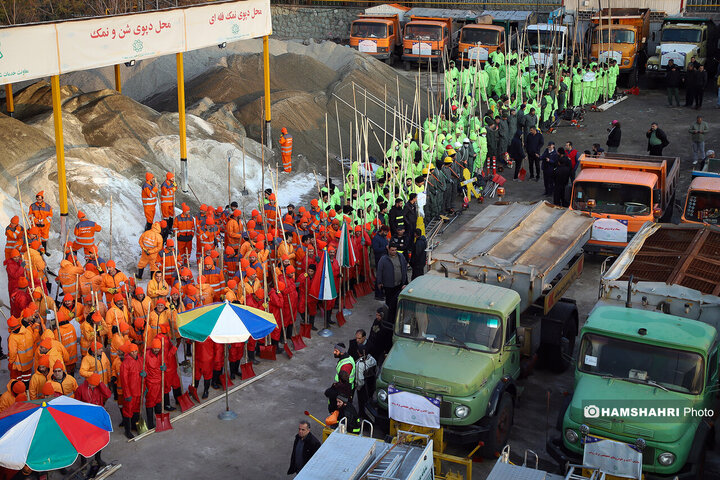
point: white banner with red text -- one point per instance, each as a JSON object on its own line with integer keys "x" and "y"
{"x": 414, "y": 409}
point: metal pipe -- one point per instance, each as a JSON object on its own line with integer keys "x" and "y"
{"x": 9, "y": 99}
{"x": 60, "y": 153}
{"x": 266, "y": 78}
{"x": 183, "y": 128}
{"x": 118, "y": 81}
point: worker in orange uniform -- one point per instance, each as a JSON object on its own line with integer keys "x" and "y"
{"x": 118, "y": 312}
{"x": 40, "y": 215}
{"x": 168, "y": 257}
{"x": 62, "y": 382}
{"x": 15, "y": 389}
{"x": 149, "y": 199}
{"x": 14, "y": 237}
{"x": 214, "y": 277}
{"x": 21, "y": 345}
{"x": 160, "y": 315}
{"x": 85, "y": 231}
{"x": 151, "y": 242}
{"x": 39, "y": 378}
{"x": 157, "y": 288}
{"x": 112, "y": 281}
{"x": 167, "y": 202}
{"x": 140, "y": 304}
{"x": 185, "y": 231}
{"x": 96, "y": 362}
{"x": 233, "y": 230}
{"x": 69, "y": 339}
{"x": 286, "y": 141}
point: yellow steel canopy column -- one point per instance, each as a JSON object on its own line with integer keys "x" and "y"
{"x": 9, "y": 100}
{"x": 181, "y": 113}
{"x": 118, "y": 81}
{"x": 60, "y": 154}
{"x": 266, "y": 73}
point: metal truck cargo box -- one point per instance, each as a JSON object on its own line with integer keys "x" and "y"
{"x": 674, "y": 269}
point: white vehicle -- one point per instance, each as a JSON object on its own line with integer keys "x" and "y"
{"x": 546, "y": 43}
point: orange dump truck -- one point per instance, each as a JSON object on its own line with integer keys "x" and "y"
{"x": 702, "y": 204}
{"x": 432, "y": 34}
{"x": 622, "y": 192}
{"x": 478, "y": 40}
{"x": 621, "y": 34}
{"x": 377, "y": 35}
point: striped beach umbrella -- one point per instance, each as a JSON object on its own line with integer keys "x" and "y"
{"x": 225, "y": 323}
{"x": 49, "y": 435}
{"x": 323, "y": 284}
{"x": 345, "y": 252}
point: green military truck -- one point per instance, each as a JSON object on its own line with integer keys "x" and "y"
{"x": 490, "y": 306}
{"x": 651, "y": 341}
{"x": 681, "y": 39}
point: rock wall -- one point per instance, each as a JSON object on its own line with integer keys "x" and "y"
{"x": 320, "y": 23}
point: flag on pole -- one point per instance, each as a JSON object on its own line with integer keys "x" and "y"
{"x": 323, "y": 284}
{"x": 345, "y": 252}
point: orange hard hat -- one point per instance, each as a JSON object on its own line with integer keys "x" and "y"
{"x": 15, "y": 220}
{"x": 169, "y": 175}
{"x": 133, "y": 348}
{"x": 272, "y": 197}
{"x": 139, "y": 323}
{"x": 117, "y": 297}
{"x": 170, "y": 242}
{"x": 18, "y": 387}
{"x": 156, "y": 343}
{"x": 14, "y": 253}
{"x": 207, "y": 261}
{"x": 46, "y": 343}
{"x": 13, "y": 323}
{"x": 139, "y": 291}
{"x": 283, "y": 130}
{"x": 81, "y": 214}
{"x": 229, "y": 251}
{"x": 149, "y": 176}
{"x": 161, "y": 301}
{"x": 236, "y": 213}
{"x": 58, "y": 365}
{"x": 44, "y": 361}
{"x": 232, "y": 284}
{"x": 110, "y": 264}
{"x": 185, "y": 208}
{"x": 244, "y": 263}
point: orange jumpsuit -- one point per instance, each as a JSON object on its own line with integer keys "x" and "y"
{"x": 286, "y": 142}
{"x": 151, "y": 242}
{"x": 167, "y": 198}
{"x": 14, "y": 237}
{"x": 68, "y": 276}
{"x": 85, "y": 231}
{"x": 21, "y": 351}
{"x": 149, "y": 200}
{"x": 185, "y": 229}
{"x": 111, "y": 284}
{"x": 103, "y": 368}
{"x": 40, "y": 213}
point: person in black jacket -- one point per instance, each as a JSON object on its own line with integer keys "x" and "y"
{"x": 672, "y": 82}
{"x": 516, "y": 153}
{"x": 701, "y": 82}
{"x": 561, "y": 176}
{"x": 614, "y": 136}
{"x": 533, "y": 145}
{"x": 548, "y": 161}
{"x": 410, "y": 216}
{"x": 691, "y": 81}
{"x": 419, "y": 255}
{"x": 304, "y": 447}
{"x": 395, "y": 217}
{"x": 657, "y": 140}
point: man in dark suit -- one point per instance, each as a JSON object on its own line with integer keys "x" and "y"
{"x": 304, "y": 447}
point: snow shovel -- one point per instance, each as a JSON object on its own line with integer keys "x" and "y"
{"x": 246, "y": 369}
{"x": 267, "y": 352}
{"x": 185, "y": 402}
{"x": 162, "y": 419}
{"x": 306, "y": 330}
{"x": 340, "y": 317}
{"x": 225, "y": 381}
{"x": 191, "y": 388}
{"x": 298, "y": 342}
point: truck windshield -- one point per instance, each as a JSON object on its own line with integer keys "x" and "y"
{"x": 613, "y": 198}
{"x": 703, "y": 206}
{"x": 545, "y": 40}
{"x": 449, "y": 326}
{"x": 368, "y": 30}
{"x": 480, "y": 36}
{"x": 639, "y": 362}
{"x": 681, "y": 35}
{"x": 423, "y": 32}
{"x": 618, "y": 36}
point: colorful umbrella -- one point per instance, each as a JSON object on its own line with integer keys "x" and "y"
{"x": 50, "y": 435}
{"x": 323, "y": 284}
{"x": 345, "y": 252}
{"x": 225, "y": 323}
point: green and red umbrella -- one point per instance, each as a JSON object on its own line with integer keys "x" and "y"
{"x": 48, "y": 435}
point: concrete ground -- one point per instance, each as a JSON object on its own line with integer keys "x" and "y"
{"x": 257, "y": 444}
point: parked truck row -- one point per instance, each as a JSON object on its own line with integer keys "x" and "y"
{"x": 493, "y": 307}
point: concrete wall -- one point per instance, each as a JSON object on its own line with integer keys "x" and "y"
{"x": 320, "y": 23}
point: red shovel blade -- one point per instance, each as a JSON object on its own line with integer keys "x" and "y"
{"x": 340, "y": 317}
{"x": 305, "y": 330}
{"x": 347, "y": 302}
{"x": 224, "y": 380}
{"x": 298, "y": 343}
{"x": 267, "y": 352}
{"x": 287, "y": 350}
{"x": 185, "y": 402}
{"x": 246, "y": 370}
{"x": 162, "y": 422}
{"x": 193, "y": 393}
{"x": 522, "y": 174}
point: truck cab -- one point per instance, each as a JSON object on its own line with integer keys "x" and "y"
{"x": 622, "y": 192}
{"x": 681, "y": 39}
{"x": 702, "y": 204}
{"x": 376, "y": 35}
{"x": 631, "y": 360}
{"x": 427, "y": 40}
{"x": 457, "y": 341}
{"x": 478, "y": 41}
{"x": 621, "y": 37}
{"x": 546, "y": 43}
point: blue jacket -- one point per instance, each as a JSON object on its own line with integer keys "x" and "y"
{"x": 379, "y": 246}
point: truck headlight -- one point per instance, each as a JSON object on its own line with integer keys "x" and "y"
{"x": 382, "y": 395}
{"x": 626, "y": 61}
{"x": 666, "y": 459}
{"x": 462, "y": 411}
{"x": 571, "y": 435}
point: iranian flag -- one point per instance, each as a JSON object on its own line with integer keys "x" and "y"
{"x": 323, "y": 284}
{"x": 345, "y": 252}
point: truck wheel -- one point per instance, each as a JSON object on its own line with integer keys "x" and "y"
{"x": 499, "y": 428}
{"x": 406, "y": 66}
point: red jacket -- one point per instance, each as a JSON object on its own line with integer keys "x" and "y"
{"x": 15, "y": 270}
{"x": 130, "y": 376}
{"x": 96, "y": 396}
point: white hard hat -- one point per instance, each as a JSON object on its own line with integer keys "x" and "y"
{"x": 458, "y": 144}
{"x": 710, "y": 153}
{"x": 467, "y": 140}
